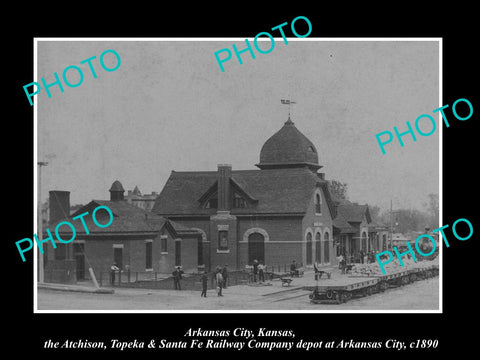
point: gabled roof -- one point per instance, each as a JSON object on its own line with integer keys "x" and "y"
{"x": 350, "y": 215}
{"x": 127, "y": 220}
{"x": 352, "y": 212}
{"x": 276, "y": 191}
{"x": 341, "y": 223}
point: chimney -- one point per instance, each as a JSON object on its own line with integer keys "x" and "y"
{"x": 59, "y": 205}
{"x": 223, "y": 177}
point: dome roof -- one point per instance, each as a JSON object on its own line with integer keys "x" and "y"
{"x": 117, "y": 186}
{"x": 288, "y": 148}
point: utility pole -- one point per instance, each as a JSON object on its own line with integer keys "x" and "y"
{"x": 41, "y": 276}
{"x": 391, "y": 227}
{"x": 391, "y": 224}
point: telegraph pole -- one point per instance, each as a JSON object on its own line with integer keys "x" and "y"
{"x": 391, "y": 224}
{"x": 391, "y": 227}
{"x": 41, "y": 276}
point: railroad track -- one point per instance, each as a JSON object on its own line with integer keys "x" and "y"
{"x": 287, "y": 294}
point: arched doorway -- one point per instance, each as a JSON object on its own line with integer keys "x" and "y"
{"x": 309, "y": 248}
{"x": 256, "y": 247}
{"x": 318, "y": 247}
{"x": 384, "y": 246}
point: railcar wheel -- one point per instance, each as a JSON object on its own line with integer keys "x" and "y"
{"x": 329, "y": 294}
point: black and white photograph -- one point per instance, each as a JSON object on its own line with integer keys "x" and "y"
{"x": 266, "y": 179}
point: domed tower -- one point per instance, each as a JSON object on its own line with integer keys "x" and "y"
{"x": 288, "y": 148}
{"x": 116, "y": 191}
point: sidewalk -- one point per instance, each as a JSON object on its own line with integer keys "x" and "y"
{"x": 74, "y": 288}
{"x": 307, "y": 281}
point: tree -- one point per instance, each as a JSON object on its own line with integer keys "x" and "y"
{"x": 432, "y": 208}
{"x": 338, "y": 189}
{"x": 374, "y": 212}
{"x": 406, "y": 220}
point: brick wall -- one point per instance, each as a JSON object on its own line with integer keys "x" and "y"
{"x": 219, "y": 257}
{"x": 99, "y": 253}
{"x": 319, "y": 223}
{"x": 284, "y": 241}
{"x": 203, "y": 225}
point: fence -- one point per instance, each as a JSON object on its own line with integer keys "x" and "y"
{"x": 154, "y": 280}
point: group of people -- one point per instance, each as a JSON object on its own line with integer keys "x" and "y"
{"x": 258, "y": 271}
{"x": 220, "y": 277}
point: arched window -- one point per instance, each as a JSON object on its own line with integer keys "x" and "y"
{"x": 318, "y": 247}
{"x": 318, "y": 202}
{"x": 309, "y": 248}
{"x": 326, "y": 247}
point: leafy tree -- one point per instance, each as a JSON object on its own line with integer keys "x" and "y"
{"x": 338, "y": 189}
{"x": 374, "y": 212}
{"x": 432, "y": 208}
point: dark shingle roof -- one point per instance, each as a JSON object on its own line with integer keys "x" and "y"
{"x": 288, "y": 146}
{"x": 353, "y": 212}
{"x": 279, "y": 191}
{"x": 345, "y": 228}
{"x": 116, "y": 186}
{"x": 127, "y": 219}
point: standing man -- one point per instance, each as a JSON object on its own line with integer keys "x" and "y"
{"x": 219, "y": 279}
{"x": 261, "y": 273}
{"x": 255, "y": 270}
{"x": 225, "y": 276}
{"x": 113, "y": 269}
{"x": 204, "y": 284}
{"x": 177, "y": 276}
{"x": 293, "y": 268}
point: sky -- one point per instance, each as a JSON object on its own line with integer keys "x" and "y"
{"x": 169, "y": 107}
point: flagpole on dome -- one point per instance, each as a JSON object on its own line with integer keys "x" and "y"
{"x": 288, "y": 102}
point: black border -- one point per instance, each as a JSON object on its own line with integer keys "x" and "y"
{"x": 457, "y": 28}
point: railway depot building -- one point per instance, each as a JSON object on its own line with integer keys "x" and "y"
{"x": 281, "y": 212}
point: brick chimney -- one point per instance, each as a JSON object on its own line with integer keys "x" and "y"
{"x": 59, "y": 205}
{"x": 223, "y": 177}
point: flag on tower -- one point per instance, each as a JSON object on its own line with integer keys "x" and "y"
{"x": 287, "y": 102}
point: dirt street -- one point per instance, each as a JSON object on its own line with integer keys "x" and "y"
{"x": 421, "y": 295}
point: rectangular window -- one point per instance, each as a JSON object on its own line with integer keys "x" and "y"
{"x": 61, "y": 252}
{"x": 239, "y": 203}
{"x": 178, "y": 253}
{"x": 212, "y": 204}
{"x": 118, "y": 255}
{"x": 163, "y": 245}
{"x": 223, "y": 240}
{"x": 148, "y": 254}
{"x": 200, "y": 251}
